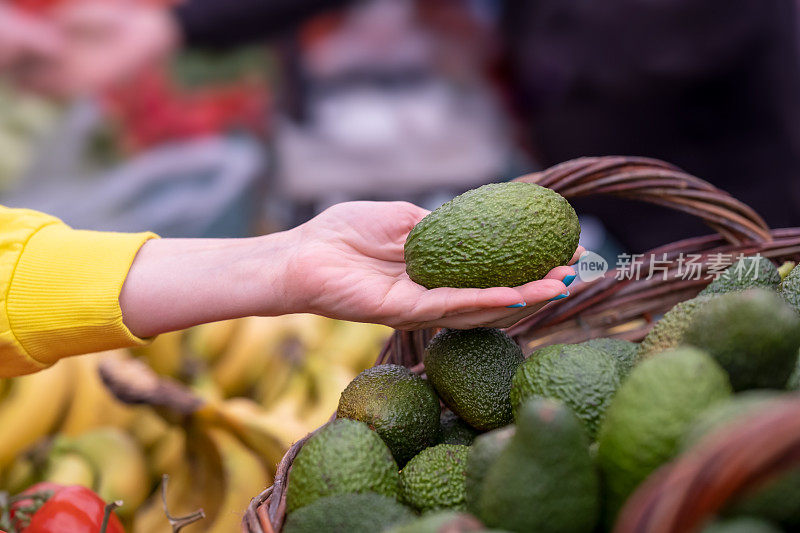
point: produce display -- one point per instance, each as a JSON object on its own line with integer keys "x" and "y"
{"x": 257, "y": 385}
{"x": 559, "y": 440}
{"x": 480, "y": 437}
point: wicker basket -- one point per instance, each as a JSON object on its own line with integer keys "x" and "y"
{"x": 612, "y": 307}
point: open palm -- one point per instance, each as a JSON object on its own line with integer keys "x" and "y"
{"x": 350, "y": 264}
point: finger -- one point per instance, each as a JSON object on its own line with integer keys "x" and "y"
{"x": 542, "y": 291}
{"x": 443, "y": 302}
{"x": 577, "y": 255}
{"x": 490, "y": 318}
{"x": 559, "y": 273}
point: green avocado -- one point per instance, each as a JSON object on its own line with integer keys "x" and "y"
{"x": 482, "y": 455}
{"x": 453, "y": 430}
{"x": 584, "y": 378}
{"x": 472, "y": 371}
{"x": 722, "y": 413}
{"x": 746, "y": 273}
{"x": 668, "y": 332}
{"x": 344, "y": 456}
{"x": 753, "y": 334}
{"x": 779, "y": 499}
{"x": 401, "y": 406}
{"x": 348, "y": 513}
{"x": 790, "y": 288}
{"x": 544, "y": 479}
{"x": 435, "y": 479}
{"x": 649, "y": 415}
{"x": 622, "y": 351}
{"x": 498, "y": 235}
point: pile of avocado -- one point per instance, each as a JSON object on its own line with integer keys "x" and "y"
{"x": 488, "y": 440}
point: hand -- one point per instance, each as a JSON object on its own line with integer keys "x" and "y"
{"x": 28, "y": 47}
{"x": 109, "y": 42}
{"x": 346, "y": 263}
{"x": 349, "y": 265}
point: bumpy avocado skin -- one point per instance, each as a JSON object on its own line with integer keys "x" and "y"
{"x": 584, "y": 378}
{"x": 544, "y": 480}
{"x": 454, "y": 430}
{"x": 472, "y": 371}
{"x": 401, "y": 406}
{"x": 746, "y": 273}
{"x": 348, "y": 513}
{"x": 668, "y": 332}
{"x": 482, "y": 455}
{"x": 753, "y": 334}
{"x": 498, "y": 235}
{"x": 435, "y": 479}
{"x": 649, "y": 415}
{"x": 343, "y": 457}
{"x": 790, "y": 289}
{"x": 624, "y": 352}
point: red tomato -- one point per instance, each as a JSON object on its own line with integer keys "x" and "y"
{"x": 75, "y": 509}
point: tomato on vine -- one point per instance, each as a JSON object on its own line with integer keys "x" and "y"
{"x": 51, "y": 508}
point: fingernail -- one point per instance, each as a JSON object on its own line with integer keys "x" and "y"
{"x": 568, "y": 279}
{"x": 515, "y": 306}
{"x": 559, "y": 297}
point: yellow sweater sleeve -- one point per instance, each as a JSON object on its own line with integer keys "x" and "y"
{"x": 59, "y": 290}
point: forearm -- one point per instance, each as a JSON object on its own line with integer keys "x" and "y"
{"x": 178, "y": 283}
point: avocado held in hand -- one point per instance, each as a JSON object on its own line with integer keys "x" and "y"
{"x": 498, "y": 235}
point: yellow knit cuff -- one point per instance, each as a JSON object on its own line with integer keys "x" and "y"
{"x": 64, "y": 296}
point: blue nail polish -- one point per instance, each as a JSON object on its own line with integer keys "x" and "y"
{"x": 568, "y": 279}
{"x": 559, "y": 297}
{"x": 523, "y": 304}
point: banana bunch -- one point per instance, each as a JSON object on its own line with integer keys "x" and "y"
{"x": 230, "y": 398}
{"x": 107, "y": 460}
{"x": 31, "y": 408}
{"x": 217, "y": 474}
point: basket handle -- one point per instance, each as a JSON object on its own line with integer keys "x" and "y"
{"x": 656, "y": 182}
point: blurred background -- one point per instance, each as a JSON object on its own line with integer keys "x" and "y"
{"x": 230, "y": 118}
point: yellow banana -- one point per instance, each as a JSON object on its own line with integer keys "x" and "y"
{"x": 208, "y": 342}
{"x": 164, "y": 354}
{"x": 117, "y": 459}
{"x": 355, "y": 345}
{"x": 310, "y": 330}
{"x": 203, "y": 385}
{"x": 31, "y": 409}
{"x": 71, "y": 469}
{"x": 244, "y": 477}
{"x": 150, "y": 517}
{"x": 92, "y": 404}
{"x": 20, "y": 475}
{"x": 167, "y": 454}
{"x": 256, "y": 341}
{"x": 267, "y": 434}
{"x": 147, "y": 427}
{"x": 329, "y": 382}
{"x": 280, "y": 378}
